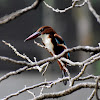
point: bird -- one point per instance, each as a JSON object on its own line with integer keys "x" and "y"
{"x": 53, "y": 43}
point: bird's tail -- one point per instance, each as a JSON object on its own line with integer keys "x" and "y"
{"x": 64, "y": 73}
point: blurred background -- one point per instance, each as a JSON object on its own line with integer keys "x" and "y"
{"x": 77, "y": 27}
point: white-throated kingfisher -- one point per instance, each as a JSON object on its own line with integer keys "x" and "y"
{"x": 53, "y": 43}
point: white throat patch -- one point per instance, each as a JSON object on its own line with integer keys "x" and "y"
{"x": 47, "y": 41}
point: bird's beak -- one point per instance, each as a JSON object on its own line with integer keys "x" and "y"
{"x": 33, "y": 36}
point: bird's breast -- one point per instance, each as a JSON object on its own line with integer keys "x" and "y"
{"x": 48, "y": 43}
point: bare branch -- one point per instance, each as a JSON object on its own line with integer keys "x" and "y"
{"x": 93, "y": 11}
{"x": 16, "y": 52}
{"x": 46, "y": 64}
{"x": 24, "y": 63}
{"x": 14, "y": 15}
{"x": 87, "y": 77}
{"x": 38, "y": 44}
{"x": 85, "y": 66}
{"x": 80, "y": 64}
{"x": 95, "y": 91}
{"x": 42, "y": 88}
{"x": 96, "y": 88}
{"x": 92, "y": 95}
{"x": 23, "y": 90}
{"x": 13, "y": 73}
{"x": 53, "y": 95}
{"x": 65, "y": 92}
{"x": 61, "y": 11}
{"x": 82, "y": 4}
{"x": 30, "y": 92}
{"x": 50, "y": 59}
{"x": 74, "y": 4}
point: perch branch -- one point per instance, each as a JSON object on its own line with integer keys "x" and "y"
{"x": 40, "y": 65}
{"x": 45, "y": 62}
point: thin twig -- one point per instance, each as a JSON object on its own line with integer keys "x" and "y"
{"x": 16, "y": 52}
{"x": 96, "y": 88}
{"x": 92, "y": 95}
{"x": 7, "y": 59}
{"x": 13, "y": 73}
{"x": 47, "y": 64}
{"x": 87, "y": 77}
{"x": 30, "y": 92}
{"x": 92, "y": 60}
{"x": 40, "y": 45}
{"x": 23, "y": 90}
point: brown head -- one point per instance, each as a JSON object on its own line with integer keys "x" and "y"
{"x": 42, "y": 30}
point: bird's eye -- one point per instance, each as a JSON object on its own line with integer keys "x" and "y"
{"x": 42, "y": 30}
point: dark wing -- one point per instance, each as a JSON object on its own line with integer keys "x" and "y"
{"x": 59, "y": 40}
